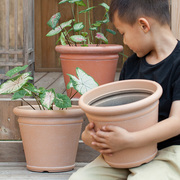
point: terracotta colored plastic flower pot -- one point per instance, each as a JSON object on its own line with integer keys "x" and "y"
{"x": 50, "y": 137}
{"x": 100, "y": 61}
{"x": 130, "y": 104}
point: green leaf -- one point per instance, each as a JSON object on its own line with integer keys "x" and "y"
{"x": 20, "y": 94}
{"x": 97, "y": 24}
{"x": 63, "y": 39}
{"x": 80, "y": 3}
{"x": 101, "y": 37}
{"x": 15, "y": 83}
{"x": 93, "y": 28}
{"x": 54, "y": 20}
{"x": 73, "y": 1}
{"x": 78, "y": 38}
{"x": 78, "y": 26}
{"x": 62, "y": 101}
{"x": 63, "y": 1}
{"x": 47, "y": 98}
{"x": 15, "y": 70}
{"x": 86, "y": 10}
{"x": 30, "y": 87}
{"x": 111, "y": 31}
{"x": 84, "y": 34}
{"x": 105, "y": 6}
{"x": 84, "y": 83}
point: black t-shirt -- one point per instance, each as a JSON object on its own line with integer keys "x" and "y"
{"x": 167, "y": 74}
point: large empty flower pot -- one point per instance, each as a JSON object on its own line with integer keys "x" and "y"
{"x": 50, "y": 137}
{"x": 100, "y": 61}
{"x": 130, "y": 104}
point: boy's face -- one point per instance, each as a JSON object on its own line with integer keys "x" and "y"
{"x": 133, "y": 36}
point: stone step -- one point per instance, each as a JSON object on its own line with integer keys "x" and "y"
{"x": 18, "y": 171}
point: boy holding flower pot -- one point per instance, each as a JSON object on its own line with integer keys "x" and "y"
{"x": 145, "y": 26}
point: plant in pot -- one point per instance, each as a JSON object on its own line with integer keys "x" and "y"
{"x": 83, "y": 44}
{"x": 50, "y": 130}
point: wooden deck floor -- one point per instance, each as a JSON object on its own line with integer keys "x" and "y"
{"x": 18, "y": 171}
{"x": 53, "y": 80}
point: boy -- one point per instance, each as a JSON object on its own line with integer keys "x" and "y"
{"x": 145, "y": 27}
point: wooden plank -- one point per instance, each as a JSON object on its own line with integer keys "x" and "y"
{"x": 38, "y": 76}
{"x": 59, "y": 85}
{"x": 12, "y": 151}
{"x": 9, "y": 128}
{"x": 175, "y": 18}
{"x": 48, "y": 80}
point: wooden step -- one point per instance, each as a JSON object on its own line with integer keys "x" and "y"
{"x": 18, "y": 171}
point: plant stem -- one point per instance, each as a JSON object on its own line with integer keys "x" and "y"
{"x": 34, "y": 95}
{"x": 72, "y": 9}
{"x": 73, "y": 95}
{"x": 90, "y": 21}
{"x": 28, "y": 103}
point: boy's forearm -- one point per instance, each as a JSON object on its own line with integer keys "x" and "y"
{"x": 163, "y": 130}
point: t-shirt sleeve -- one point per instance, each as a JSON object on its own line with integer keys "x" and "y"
{"x": 176, "y": 85}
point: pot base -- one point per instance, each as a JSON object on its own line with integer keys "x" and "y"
{"x": 132, "y": 164}
{"x": 50, "y": 169}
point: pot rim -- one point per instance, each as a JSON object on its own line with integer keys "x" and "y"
{"x": 92, "y": 48}
{"x": 121, "y": 109}
{"x": 23, "y": 111}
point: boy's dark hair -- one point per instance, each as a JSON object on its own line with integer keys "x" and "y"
{"x": 130, "y": 10}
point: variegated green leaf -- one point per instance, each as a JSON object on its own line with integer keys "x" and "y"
{"x": 101, "y": 37}
{"x": 54, "y": 20}
{"x": 105, "y": 6}
{"x": 78, "y": 38}
{"x": 78, "y": 26}
{"x": 55, "y": 31}
{"x": 63, "y": 1}
{"x": 69, "y": 85}
{"x": 62, "y": 101}
{"x": 62, "y": 39}
{"x": 59, "y": 28}
{"x": 15, "y": 70}
{"x": 86, "y": 10}
{"x": 47, "y": 98}
{"x": 15, "y": 83}
{"x": 84, "y": 83}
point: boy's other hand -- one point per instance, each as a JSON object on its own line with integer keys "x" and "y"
{"x": 111, "y": 139}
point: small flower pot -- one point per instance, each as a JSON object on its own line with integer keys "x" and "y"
{"x": 50, "y": 137}
{"x": 100, "y": 62}
{"x": 130, "y": 104}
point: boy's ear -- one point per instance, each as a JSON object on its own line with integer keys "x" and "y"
{"x": 144, "y": 24}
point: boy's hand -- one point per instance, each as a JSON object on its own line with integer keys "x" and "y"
{"x": 87, "y": 136}
{"x": 111, "y": 139}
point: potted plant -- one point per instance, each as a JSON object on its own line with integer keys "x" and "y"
{"x": 50, "y": 130}
{"x": 130, "y": 104}
{"x": 89, "y": 51}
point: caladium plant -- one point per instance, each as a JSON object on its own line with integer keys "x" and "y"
{"x": 73, "y": 31}
{"x": 19, "y": 86}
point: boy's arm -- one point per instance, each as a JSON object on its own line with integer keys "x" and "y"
{"x": 111, "y": 138}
